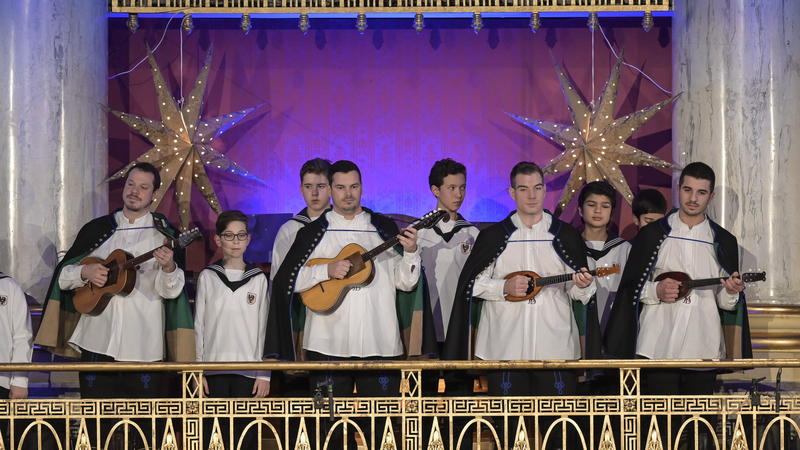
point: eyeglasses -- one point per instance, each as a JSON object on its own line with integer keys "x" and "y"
{"x": 231, "y": 236}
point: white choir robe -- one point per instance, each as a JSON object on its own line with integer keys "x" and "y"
{"x": 365, "y": 323}
{"x": 131, "y": 328}
{"x": 544, "y": 329}
{"x": 689, "y": 328}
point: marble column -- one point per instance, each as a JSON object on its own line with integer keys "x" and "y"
{"x": 738, "y": 66}
{"x": 53, "y": 136}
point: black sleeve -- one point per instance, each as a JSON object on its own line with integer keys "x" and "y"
{"x": 87, "y": 236}
{"x": 179, "y": 253}
{"x": 279, "y": 341}
{"x": 623, "y": 321}
{"x": 488, "y": 243}
{"x": 574, "y": 245}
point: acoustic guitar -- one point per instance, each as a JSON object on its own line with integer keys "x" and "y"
{"x": 536, "y": 282}
{"x": 92, "y": 300}
{"x": 329, "y": 294}
{"x": 687, "y": 283}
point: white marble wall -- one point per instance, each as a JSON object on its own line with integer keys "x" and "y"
{"x": 738, "y": 66}
{"x": 53, "y": 137}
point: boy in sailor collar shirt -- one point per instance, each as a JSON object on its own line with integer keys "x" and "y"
{"x": 231, "y": 320}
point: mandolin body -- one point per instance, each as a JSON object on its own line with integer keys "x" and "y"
{"x": 684, "y": 288}
{"x": 536, "y": 282}
{"x": 531, "y": 292}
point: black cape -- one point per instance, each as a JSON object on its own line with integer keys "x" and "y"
{"x": 623, "y": 322}
{"x": 287, "y": 313}
{"x": 490, "y": 244}
{"x": 59, "y": 317}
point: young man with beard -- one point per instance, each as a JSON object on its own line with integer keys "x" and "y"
{"x": 444, "y": 248}
{"x": 365, "y": 326}
{"x": 548, "y": 326}
{"x": 137, "y": 327}
{"x": 648, "y": 320}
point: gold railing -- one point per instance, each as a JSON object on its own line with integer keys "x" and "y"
{"x": 625, "y": 420}
{"x": 384, "y": 6}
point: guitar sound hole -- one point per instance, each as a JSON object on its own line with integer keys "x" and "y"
{"x": 358, "y": 266}
{"x": 113, "y": 275}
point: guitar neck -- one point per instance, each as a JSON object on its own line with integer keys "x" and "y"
{"x": 131, "y": 263}
{"x": 544, "y": 281}
{"x": 389, "y": 243}
{"x": 700, "y": 283}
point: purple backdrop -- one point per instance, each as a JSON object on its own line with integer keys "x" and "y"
{"x": 390, "y": 100}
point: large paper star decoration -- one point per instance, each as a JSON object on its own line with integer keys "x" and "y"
{"x": 594, "y": 145}
{"x": 181, "y": 143}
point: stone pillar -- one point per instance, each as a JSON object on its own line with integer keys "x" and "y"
{"x": 53, "y": 135}
{"x": 738, "y": 66}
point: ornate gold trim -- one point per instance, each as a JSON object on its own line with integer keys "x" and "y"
{"x": 386, "y": 6}
{"x": 760, "y": 308}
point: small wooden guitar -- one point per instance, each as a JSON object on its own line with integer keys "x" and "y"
{"x": 329, "y": 294}
{"x": 687, "y": 283}
{"x": 536, "y": 282}
{"x": 92, "y": 300}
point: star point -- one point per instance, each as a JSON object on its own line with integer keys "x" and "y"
{"x": 595, "y": 138}
{"x": 178, "y": 129}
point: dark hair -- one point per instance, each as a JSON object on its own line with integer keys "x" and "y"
{"x": 148, "y": 168}
{"x": 226, "y": 217}
{"x": 443, "y": 168}
{"x": 525, "y": 168}
{"x": 342, "y": 166}
{"x": 649, "y": 201}
{"x": 317, "y": 166}
{"x": 598, "y": 188}
{"x": 698, "y": 170}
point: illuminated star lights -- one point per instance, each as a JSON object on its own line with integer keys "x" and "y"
{"x": 594, "y": 145}
{"x": 182, "y": 143}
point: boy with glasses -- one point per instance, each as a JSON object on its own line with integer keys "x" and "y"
{"x": 231, "y": 321}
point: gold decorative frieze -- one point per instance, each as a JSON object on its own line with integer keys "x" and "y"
{"x": 630, "y": 419}
{"x": 239, "y": 7}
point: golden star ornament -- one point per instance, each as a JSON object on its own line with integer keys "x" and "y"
{"x": 181, "y": 143}
{"x": 594, "y": 145}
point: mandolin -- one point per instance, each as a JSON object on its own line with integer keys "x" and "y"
{"x": 687, "y": 283}
{"x": 92, "y": 300}
{"x": 327, "y": 296}
{"x": 536, "y": 282}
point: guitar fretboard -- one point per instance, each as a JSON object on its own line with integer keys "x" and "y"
{"x": 544, "y": 281}
{"x": 131, "y": 263}
{"x": 389, "y": 243}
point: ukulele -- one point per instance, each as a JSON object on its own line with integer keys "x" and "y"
{"x": 536, "y": 282}
{"x": 329, "y": 294}
{"x": 687, "y": 283}
{"x": 92, "y": 300}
